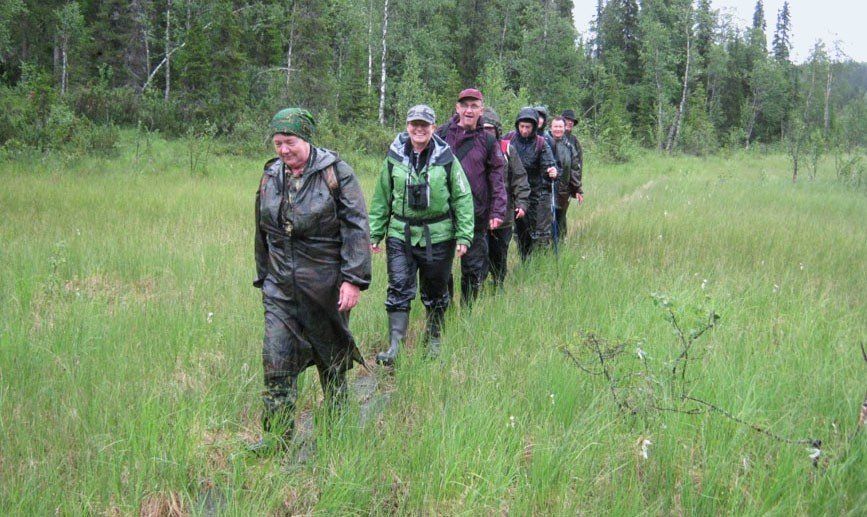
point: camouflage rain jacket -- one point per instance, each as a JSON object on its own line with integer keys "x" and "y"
{"x": 311, "y": 236}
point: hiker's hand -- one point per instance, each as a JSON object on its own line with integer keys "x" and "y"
{"x": 552, "y": 172}
{"x": 579, "y": 197}
{"x": 375, "y": 248}
{"x": 495, "y": 223}
{"x": 461, "y": 250}
{"x": 348, "y": 296}
{"x": 519, "y": 213}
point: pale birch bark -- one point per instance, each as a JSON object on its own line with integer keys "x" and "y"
{"x": 382, "y": 74}
{"x": 168, "y": 49}
{"x": 681, "y": 109}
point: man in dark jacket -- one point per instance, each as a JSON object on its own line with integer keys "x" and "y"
{"x": 534, "y": 231}
{"x": 518, "y": 193}
{"x": 483, "y": 163}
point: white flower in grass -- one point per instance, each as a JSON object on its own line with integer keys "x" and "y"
{"x": 801, "y": 266}
{"x": 641, "y": 353}
{"x": 210, "y": 317}
{"x": 745, "y": 463}
{"x": 660, "y": 236}
{"x": 551, "y": 396}
{"x": 704, "y": 283}
{"x": 665, "y": 213}
{"x": 78, "y": 232}
{"x": 512, "y": 421}
{"x": 776, "y": 288}
{"x": 583, "y": 257}
{"x": 644, "y": 444}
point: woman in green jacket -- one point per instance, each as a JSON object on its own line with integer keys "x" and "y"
{"x": 423, "y": 207}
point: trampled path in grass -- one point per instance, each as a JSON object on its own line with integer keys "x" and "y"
{"x": 130, "y": 342}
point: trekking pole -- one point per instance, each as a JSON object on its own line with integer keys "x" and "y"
{"x": 555, "y": 230}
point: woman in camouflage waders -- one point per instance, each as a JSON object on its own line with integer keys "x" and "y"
{"x": 312, "y": 260}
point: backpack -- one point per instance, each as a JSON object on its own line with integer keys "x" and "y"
{"x": 540, "y": 140}
{"x": 462, "y": 151}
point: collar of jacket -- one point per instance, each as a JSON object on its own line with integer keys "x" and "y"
{"x": 441, "y": 153}
{"x": 319, "y": 159}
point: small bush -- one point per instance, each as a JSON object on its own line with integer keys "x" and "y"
{"x": 91, "y": 138}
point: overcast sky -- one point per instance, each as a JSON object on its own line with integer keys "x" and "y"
{"x": 829, "y": 20}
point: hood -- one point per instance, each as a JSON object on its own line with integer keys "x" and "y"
{"x": 320, "y": 158}
{"x": 441, "y": 153}
{"x": 528, "y": 115}
{"x": 543, "y": 112}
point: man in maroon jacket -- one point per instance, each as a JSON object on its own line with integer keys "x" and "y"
{"x": 483, "y": 163}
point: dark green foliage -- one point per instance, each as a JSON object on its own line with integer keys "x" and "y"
{"x": 232, "y": 64}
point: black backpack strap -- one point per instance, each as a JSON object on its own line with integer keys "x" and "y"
{"x": 390, "y": 177}
{"x": 465, "y": 147}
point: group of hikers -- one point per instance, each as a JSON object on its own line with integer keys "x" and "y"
{"x": 460, "y": 189}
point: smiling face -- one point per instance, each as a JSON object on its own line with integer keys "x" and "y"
{"x": 420, "y": 133}
{"x": 558, "y": 128}
{"x": 292, "y": 150}
{"x": 469, "y": 110}
{"x": 525, "y": 128}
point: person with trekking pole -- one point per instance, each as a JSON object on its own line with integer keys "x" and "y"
{"x": 423, "y": 207}
{"x": 534, "y": 230}
{"x": 518, "y": 195}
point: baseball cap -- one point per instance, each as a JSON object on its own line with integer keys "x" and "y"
{"x": 421, "y": 112}
{"x": 470, "y": 93}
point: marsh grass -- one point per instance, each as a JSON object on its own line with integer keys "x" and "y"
{"x": 130, "y": 343}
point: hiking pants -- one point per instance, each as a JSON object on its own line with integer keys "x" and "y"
{"x": 433, "y": 276}
{"x": 474, "y": 267}
{"x": 534, "y": 229}
{"x": 498, "y": 253}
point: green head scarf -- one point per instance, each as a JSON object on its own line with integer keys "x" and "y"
{"x": 294, "y": 121}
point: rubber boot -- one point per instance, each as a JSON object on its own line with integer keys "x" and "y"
{"x": 434, "y": 327}
{"x": 278, "y": 417}
{"x": 335, "y": 388}
{"x": 398, "y": 321}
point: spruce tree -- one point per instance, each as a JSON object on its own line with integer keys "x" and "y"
{"x": 782, "y": 41}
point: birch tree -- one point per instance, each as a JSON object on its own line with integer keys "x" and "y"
{"x": 382, "y": 76}
{"x": 70, "y": 30}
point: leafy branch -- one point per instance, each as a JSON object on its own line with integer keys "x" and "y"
{"x": 665, "y": 389}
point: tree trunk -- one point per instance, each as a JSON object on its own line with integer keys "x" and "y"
{"x": 794, "y": 168}
{"x": 752, "y": 124}
{"x": 168, "y": 50}
{"x": 369, "y": 46}
{"x": 503, "y": 36}
{"x": 291, "y": 43}
{"x": 382, "y": 74}
{"x": 672, "y": 135}
{"x": 659, "y": 101}
{"x": 63, "y": 51}
{"x": 827, "y": 115}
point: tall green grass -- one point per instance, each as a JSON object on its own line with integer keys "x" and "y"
{"x": 130, "y": 342}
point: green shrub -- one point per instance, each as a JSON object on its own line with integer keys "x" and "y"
{"x": 90, "y": 138}
{"x": 156, "y": 114}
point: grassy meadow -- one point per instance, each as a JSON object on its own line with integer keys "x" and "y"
{"x": 130, "y": 342}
